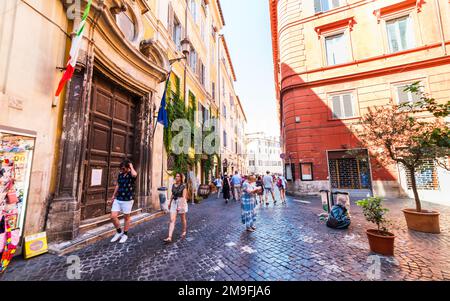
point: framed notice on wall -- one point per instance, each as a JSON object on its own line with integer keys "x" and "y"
{"x": 306, "y": 171}
{"x": 288, "y": 172}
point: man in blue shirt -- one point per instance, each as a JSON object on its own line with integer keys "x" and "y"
{"x": 236, "y": 181}
{"x": 122, "y": 199}
{"x": 268, "y": 188}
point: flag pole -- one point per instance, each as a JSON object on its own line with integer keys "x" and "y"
{"x": 154, "y": 130}
{"x": 156, "y": 123}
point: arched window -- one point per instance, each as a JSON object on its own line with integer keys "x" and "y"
{"x": 127, "y": 24}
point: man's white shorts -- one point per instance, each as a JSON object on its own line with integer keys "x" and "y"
{"x": 122, "y": 206}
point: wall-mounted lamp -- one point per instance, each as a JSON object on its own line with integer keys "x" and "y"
{"x": 186, "y": 47}
{"x": 297, "y": 119}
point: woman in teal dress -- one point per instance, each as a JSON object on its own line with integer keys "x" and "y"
{"x": 248, "y": 215}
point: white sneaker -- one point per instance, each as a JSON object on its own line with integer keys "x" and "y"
{"x": 116, "y": 237}
{"x": 123, "y": 239}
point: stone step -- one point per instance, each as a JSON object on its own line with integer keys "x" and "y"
{"x": 93, "y": 235}
{"x": 91, "y": 224}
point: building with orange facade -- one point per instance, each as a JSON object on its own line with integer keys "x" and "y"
{"x": 336, "y": 58}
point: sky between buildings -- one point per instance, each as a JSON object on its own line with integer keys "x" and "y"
{"x": 247, "y": 32}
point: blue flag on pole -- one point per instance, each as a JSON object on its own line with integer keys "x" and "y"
{"x": 162, "y": 114}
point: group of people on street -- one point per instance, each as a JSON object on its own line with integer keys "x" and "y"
{"x": 230, "y": 186}
{"x": 233, "y": 187}
{"x": 245, "y": 189}
{"x": 249, "y": 190}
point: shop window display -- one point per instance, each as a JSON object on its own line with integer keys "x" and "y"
{"x": 16, "y": 153}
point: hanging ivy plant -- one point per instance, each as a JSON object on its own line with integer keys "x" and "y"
{"x": 176, "y": 109}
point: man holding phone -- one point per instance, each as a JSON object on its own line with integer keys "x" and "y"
{"x": 122, "y": 200}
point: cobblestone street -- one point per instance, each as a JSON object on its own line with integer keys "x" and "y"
{"x": 291, "y": 243}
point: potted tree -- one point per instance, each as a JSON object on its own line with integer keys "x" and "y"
{"x": 381, "y": 241}
{"x": 405, "y": 135}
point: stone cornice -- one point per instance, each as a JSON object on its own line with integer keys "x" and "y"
{"x": 110, "y": 32}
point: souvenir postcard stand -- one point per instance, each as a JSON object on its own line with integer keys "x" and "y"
{"x": 16, "y": 153}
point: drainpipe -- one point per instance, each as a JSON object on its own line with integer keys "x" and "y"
{"x": 441, "y": 28}
{"x": 219, "y": 87}
{"x": 185, "y": 37}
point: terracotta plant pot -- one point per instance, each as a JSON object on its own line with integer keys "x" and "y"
{"x": 381, "y": 244}
{"x": 425, "y": 221}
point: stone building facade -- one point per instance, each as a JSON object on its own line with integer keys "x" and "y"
{"x": 232, "y": 119}
{"x": 107, "y": 112}
{"x": 263, "y": 154}
{"x": 335, "y": 59}
{"x": 31, "y": 49}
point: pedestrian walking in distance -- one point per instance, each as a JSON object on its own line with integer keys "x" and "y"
{"x": 281, "y": 184}
{"x": 122, "y": 200}
{"x": 268, "y": 188}
{"x": 218, "y": 182}
{"x": 259, "y": 195}
{"x": 248, "y": 205}
{"x": 226, "y": 188}
{"x": 178, "y": 206}
{"x": 236, "y": 181}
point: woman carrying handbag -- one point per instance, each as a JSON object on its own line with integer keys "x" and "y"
{"x": 178, "y": 206}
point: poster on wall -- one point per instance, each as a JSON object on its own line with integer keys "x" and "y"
{"x": 306, "y": 171}
{"x": 96, "y": 177}
{"x": 16, "y": 154}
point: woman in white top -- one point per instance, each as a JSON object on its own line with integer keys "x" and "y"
{"x": 218, "y": 183}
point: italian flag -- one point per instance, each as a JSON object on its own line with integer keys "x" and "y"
{"x": 74, "y": 51}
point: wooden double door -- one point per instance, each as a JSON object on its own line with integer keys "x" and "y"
{"x": 111, "y": 138}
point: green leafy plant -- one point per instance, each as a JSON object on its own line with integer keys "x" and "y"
{"x": 176, "y": 109}
{"x": 374, "y": 212}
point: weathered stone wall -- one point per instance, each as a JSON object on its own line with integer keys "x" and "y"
{"x": 30, "y": 50}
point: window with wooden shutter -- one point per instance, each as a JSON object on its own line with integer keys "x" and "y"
{"x": 400, "y": 34}
{"x": 337, "y": 49}
{"x": 193, "y": 60}
{"x": 317, "y": 6}
{"x": 201, "y": 72}
{"x": 325, "y": 5}
{"x": 342, "y": 106}
{"x": 348, "y": 105}
{"x": 170, "y": 20}
{"x": 403, "y": 96}
{"x": 336, "y": 102}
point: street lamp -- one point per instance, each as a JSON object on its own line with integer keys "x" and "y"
{"x": 185, "y": 47}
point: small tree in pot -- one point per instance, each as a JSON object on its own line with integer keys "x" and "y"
{"x": 400, "y": 133}
{"x": 380, "y": 240}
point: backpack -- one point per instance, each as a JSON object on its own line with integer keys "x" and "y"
{"x": 279, "y": 183}
{"x": 338, "y": 218}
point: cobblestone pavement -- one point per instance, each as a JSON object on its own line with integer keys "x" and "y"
{"x": 291, "y": 243}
